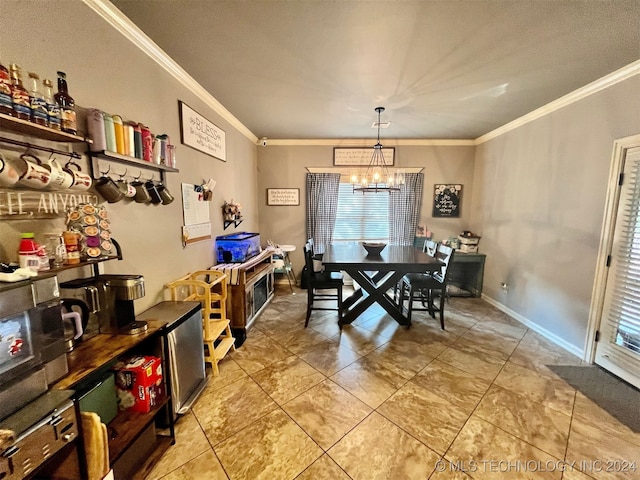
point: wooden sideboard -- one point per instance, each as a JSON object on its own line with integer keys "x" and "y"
{"x": 250, "y": 290}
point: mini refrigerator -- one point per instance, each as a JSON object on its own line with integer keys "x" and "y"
{"x": 185, "y": 350}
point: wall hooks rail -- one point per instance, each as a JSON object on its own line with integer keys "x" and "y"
{"x": 11, "y": 141}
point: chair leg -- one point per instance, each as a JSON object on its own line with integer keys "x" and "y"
{"x": 410, "y": 310}
{"x": 442, "y": 302}
{"x": 339, "y": 304}
{"x": 309, "y": 303}
{"x": 289, "y": 279}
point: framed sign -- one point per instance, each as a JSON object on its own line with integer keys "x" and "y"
{"x": 283, "y": 196}
{"x": 199, "y": 133}
{"x": 446, "y": 200}
{"x": 346, "y": 156}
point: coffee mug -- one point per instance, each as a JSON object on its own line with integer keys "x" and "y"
{"x": 165, "y": 194}
{"x": 8, "y": 174}
{"x": 108, "y": 189}
{"x": 142, "y": 195}
{"x": 81, "y": 181}
{"x": 60, "y": 179}
{"x": 126, "y": 188}
{"x": 32, "y": 173}
{"x": 153, "y": 192}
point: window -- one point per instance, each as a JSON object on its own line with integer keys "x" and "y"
{"x": 361, "y": 217}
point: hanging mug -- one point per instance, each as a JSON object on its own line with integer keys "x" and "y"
{"x": 108, "y": 189}
{"x": 165, "y": 194}
{"x": 8, "y": 174}
{"x": 128, "y": 190}
{"x": 142, "y": 195}
{"x": 81, "y": 181}
{"x": 32, "y": 173}
{"x": 153, "y": 192}
{"x": 60, "y": 179}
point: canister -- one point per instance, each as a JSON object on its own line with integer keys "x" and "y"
{"x": 118, "y": 127}
{"x": 147, "y": 143}
{"x": 137, "y": 141}
{"x": 130, "y": 141}
{"x": 95, "y": 126}
{"x": 110, "y": 132}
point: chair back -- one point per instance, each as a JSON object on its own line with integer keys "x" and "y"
{"x": 430, "y": 247}
{"x": 444, "y": 253}
{"x": 308, "y": 259}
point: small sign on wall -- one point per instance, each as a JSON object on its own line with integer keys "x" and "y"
{"x": 446, "y": 200}
{"x": 199, "y": 133}
{"x": 283, "y": 196}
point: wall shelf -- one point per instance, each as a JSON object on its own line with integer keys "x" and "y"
{"x": 24, "y": 127}
{"x": 126, "y": 160}
{"x": 235, "y": 223}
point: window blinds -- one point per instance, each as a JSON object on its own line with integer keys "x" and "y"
{"x": 361, "y": 216}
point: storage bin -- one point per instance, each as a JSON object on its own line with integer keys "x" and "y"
{"x": 237, "y": 247}
{"x": 101, "y": 399}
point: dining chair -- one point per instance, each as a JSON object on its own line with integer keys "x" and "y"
{"x": 428, "y": 286}
{"x": 429, "y": 247}
{"x": 317, "y": 285}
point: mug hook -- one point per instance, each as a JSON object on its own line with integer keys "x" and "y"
{"x": 124, "y": 174}
{"x": 108, "y": 170}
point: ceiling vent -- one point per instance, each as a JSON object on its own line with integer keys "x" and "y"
{"x": 380, "y": 124}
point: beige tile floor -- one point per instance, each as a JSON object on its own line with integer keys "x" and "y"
{"x": 379, "y": 401}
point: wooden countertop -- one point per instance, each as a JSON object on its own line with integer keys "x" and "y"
{"x": 102, "y": 349}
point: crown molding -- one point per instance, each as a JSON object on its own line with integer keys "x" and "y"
{"x": 129, "y": 30}
{"x": 350, "y": 142}
{"x": 581, "y": 93}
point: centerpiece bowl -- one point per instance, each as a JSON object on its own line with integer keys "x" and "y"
{"x": 374, "y": 248}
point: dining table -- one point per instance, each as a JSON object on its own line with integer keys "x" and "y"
{"x": 376, "y": 275}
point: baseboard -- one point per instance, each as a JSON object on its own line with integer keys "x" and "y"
{"x": 552, "y": 337}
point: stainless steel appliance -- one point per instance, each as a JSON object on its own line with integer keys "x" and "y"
{"x": 32, "y": 351}
{"x": 40, "y": 430}
{"x": 111, "y": 300}
{"x": 186, "y": 350}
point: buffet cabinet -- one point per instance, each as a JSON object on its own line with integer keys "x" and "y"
{"x": 250, "y": 294}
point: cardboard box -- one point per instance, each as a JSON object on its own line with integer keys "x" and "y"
{"x": 468, "y": 240}
{"x": 139, "y": 383}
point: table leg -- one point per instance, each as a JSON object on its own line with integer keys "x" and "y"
{"x": 376, "y": 287}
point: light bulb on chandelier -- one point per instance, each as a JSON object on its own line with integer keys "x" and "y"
{"x": 378, "y": 177}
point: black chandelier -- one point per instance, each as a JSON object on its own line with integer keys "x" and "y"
{"x": 378, "y": 177}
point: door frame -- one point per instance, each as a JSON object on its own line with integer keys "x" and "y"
{"x": 620, "y": 147}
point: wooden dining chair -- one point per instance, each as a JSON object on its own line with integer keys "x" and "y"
{"x": 428, "y": 287}
{"x": 317, "y": 285}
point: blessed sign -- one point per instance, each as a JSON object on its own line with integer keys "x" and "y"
{"x": 199, "y": 133}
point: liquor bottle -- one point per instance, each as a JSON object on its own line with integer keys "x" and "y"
{"x": 6, "y": 101}
{"x": 19, "y": 95}
{"x": 53, "y": 109}
{"x": 37, "y": 102}
{"x": 67, "y": 106}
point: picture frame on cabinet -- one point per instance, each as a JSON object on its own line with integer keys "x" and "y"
{"x": 199, "y": 133}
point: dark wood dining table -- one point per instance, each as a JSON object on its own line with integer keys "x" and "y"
{"x": 376, "y": 275}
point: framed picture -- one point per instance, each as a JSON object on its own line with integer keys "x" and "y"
{"x": 199, "y": 133}
{"x": 446, "y": 200}
{"x": 354, "y": 157}
{"x": 283, "y": 196}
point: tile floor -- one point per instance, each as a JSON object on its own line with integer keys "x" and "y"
{"x": 378, "y": 401}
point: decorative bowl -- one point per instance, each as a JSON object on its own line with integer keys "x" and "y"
{"x": 373, "y": 248}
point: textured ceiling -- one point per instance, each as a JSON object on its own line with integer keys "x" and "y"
{"x": 443, "y": 69}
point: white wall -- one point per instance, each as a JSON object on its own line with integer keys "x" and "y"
{"x": 539, "y": 194}
{"x": 106, "y": 71}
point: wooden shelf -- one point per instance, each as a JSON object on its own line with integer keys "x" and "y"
{"x": 126, "y": 159}
{"x": 24, "y": 127}
{"x": 223, "y": 347}
{"x": 127, "y": 426}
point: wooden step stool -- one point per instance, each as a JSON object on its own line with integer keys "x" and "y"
{"x": 208, "y": 287}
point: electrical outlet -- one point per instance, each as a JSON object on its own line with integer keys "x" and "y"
{"x": 505, "y": 287}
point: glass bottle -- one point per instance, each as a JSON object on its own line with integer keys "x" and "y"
{"x": 37, "y": 102}
{"x": 20, "y": 96}
{"x": 53, "y": 109}
{"x": 6, "y": 101}
{"x": 67, "y": 106}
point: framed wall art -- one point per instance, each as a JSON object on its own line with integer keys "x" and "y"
{"x": 283, "y": 196}
{"x": 199, "y": 133}
{"x": 354, "y": 157}
{"x": 446, "y": 200}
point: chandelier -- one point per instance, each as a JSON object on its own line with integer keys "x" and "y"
{"x": 377, "y": 177}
